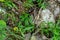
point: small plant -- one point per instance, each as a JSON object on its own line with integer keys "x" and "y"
{"x": 56, "y": 31}
{"x": 25, "y": 24}
{"x": 41, "y": 4}
{"x": 2, "y": 30}
{"x": 2, "y": 25}
{"x": 28, "y": 3}
{"x": 51, "y": 31}
{"x": 2, "y": 0}
{"x": 9, "y": 3}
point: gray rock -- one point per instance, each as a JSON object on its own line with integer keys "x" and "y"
{"x": 56, "y": 11}
{"x": 27, "y": 36}
{"x": 44, "y": 37}
{"x": 33, "y": 38}
{"x": 58, "y": 0}
{"x": 47, "y": 16}
{"x": 36, "y": 38}
{"x": 52, "y": 4}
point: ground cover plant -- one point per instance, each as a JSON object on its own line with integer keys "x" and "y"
{"x": 17, "y": 18}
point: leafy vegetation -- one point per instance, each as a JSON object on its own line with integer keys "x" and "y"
{"x": 42, "y": 4}
{"x": 51, "y": 30}
{"x": 28, "y": 3}
{"x": 25, "y": 24}
{"x": 14, "y": 25}
{"x": 2, "y": 30}
{"x": 9, "y": 3}
{"x": 38, "y": 3}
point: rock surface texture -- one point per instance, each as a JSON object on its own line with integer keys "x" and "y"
{"x": 47, "y": 16}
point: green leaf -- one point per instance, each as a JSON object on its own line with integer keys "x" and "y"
{"x": 2, "y": 30}
{"x": 2, "y": 0}
{"x": 2, "y": 24}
